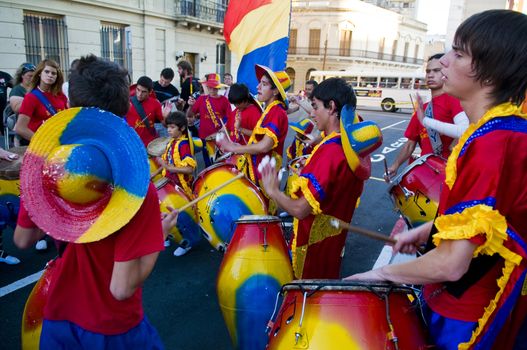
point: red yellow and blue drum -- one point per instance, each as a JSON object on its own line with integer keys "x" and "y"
{"x": 415, "y": 192}
{"x": 330, "y": 314}
{"x": 34, "y": 310}
{"x": 154, "y": 167}
{"x": 254, "y": 268}
{"x": 10, "y": 188}
{"x": 173, "y": 196}
{"x": 218, "y": 212}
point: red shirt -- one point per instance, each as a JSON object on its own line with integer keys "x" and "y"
{"x": 249, "y": 116}
{"x": 152, "y": 108}
{"x": 445, "y": 108}
{"x": 336, "y": 189}
{"x": 81, "y": 291}
{"x": 210, "y": 124}
{"x": 37, "y": 112}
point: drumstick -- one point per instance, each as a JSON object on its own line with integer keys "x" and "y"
{"x": 365, "y": 232}
{"x": 208, "y": 193}
{"x": 362, "y": 231}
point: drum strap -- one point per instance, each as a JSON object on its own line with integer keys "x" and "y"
{"x": 433, "y": 135}
{"x": 142, "y": 114}
{"x": 45, "y": 102}
{"x": 213, "y": 116}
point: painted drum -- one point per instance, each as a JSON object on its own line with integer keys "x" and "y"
{"x": 218, "y": 212}
{"x": 238, "y": 160}
{"x": 332, "y": 314}
{"x": 154, "y": 166}
{"x": 294, "y": 168}
{"x": 34, "y": 310}
{"x": 173, "y": 196}
{"x": 415, "y": 192}
{"x": 10, "y": 188}
{"x": 255, "y": 266}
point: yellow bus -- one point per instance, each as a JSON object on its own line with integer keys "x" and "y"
{"x": 388, "y": 90}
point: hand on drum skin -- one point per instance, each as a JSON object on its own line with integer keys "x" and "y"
{"x": 372, "y": 275}
{"x": 5, "y": 155}
{"x": 169, "y": 220}
{"x": 269, "y": 177}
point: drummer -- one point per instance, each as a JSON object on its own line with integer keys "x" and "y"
{"x": 269, "y": 134}
{"x": 4, "y": 256}
{"x": 211, "y": 109}
{"x": 474, "y": 271}
{"x": 327, "y": 187}
{"x": 444, "y": 108}
{"x": 177, "y": 162}
{"x": 242, "y": 120}
{"x": 300, "y": 146}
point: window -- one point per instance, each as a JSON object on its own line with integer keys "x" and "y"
{"x": 220, "y": 59}
{"x": 368, "y": 82}
{"x": 292, "y": 41}
{"x": 116, "y": 45}
{"x": 406, "y": 46}
{"x": 345, "y": 42}
{"x": 406, "y": 83}
{"x": 314, "y": 41}
{"x": 381, "y": 49}
{"x": 46, "y": 37}
{"x": 394, "y": 50}
{"x": 416, "y": 53}
{"x": 388, "y": 82}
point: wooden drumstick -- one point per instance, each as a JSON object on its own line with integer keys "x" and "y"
{"x": 368, "y": 233}
{"x": 362, "y": 231}
{"x": 208, "y": 193}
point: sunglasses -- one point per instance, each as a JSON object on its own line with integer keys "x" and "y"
{"x": 28, "y": 67}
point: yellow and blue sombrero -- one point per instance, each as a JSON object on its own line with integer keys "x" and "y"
{"x": 84, "y": 176}
{"x": 280, "y": 79}
{"x": 303, "y": 126}
{"x": 359, "y": 138}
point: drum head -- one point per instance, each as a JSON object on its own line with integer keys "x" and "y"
{"x": 257, "y": 218}
{"x": 341, "y": 285}
{"x": 157, "y": 147}
{"x": 10, "y": 170}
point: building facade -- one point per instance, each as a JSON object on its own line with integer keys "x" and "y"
{"x": 351, "y": 34}
{"x": 144, "y": 36}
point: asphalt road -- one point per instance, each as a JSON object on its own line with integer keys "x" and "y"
{"x": 180, "y": 295}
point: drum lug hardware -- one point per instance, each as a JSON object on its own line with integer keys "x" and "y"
{"x": 407, "y": 193}
{"x": 265, "y": 244}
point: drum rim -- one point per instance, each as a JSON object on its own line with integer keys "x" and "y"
{"x": 258, "y": 218}
{"x": 327, "y": 285}
{"x": 419, "y": 161}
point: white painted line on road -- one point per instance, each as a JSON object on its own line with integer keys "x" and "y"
{"x": 20, "y": 283}
{"x": 392, "y": 125}
{"x": 377, "y": 178}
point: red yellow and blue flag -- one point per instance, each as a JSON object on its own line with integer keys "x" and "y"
{"x": 258, "y": 32}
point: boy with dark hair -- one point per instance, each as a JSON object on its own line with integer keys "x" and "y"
{"x": 474, "y": 271}
{"x": 95, "y": 299}
{"x": 242, "y": 120}
{"x": 163, "y": 87}
{"x": 145, "y": 111}
{"x": 326, "y": 187}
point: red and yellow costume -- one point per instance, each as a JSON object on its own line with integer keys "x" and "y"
{"x": 332, "y": 190}
{"x": 485, "y": 202}
{"x": 178, "y": 153}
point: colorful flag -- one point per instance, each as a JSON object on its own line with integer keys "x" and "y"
{"x": 258, "y": 32}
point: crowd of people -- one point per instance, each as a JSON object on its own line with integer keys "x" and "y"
{"x": 474, "y": 268}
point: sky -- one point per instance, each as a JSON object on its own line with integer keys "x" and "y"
{"x": 435, "y": 14}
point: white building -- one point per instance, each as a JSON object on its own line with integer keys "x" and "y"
{"x": 351, "y": 34}
{"x": 145, "y": 36}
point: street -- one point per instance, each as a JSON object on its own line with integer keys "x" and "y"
{"x": 180, "y": 295}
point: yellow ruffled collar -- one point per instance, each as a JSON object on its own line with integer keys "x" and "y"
{"x": 502, "y": 110}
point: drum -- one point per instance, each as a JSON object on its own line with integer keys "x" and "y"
{"x": 329, "y": 314}
{"x": 173, "y": 196}
{"x": 154, "y": 166}
{"x": 10, "y": 187}
{"x": 212, "y": 148}
{"x": 415, "y": 192}
{"x": 218, "y": 212}
{"x": 34, "y": 310}
{"x": 294, "y": 167}
{"x": 155, "y": 149}
{"x": 238, "y": 160}
{"x": 251, "y": 274}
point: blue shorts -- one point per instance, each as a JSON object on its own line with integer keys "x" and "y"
{"x": 67, "y": 335}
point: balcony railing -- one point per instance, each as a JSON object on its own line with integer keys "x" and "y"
{"x": 347, "y": 53}
{"x": 201, "y": 10}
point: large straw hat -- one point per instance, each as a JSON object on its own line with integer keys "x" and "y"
{"x": 84, "y": 176}
{"x": 280, "y": 79}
